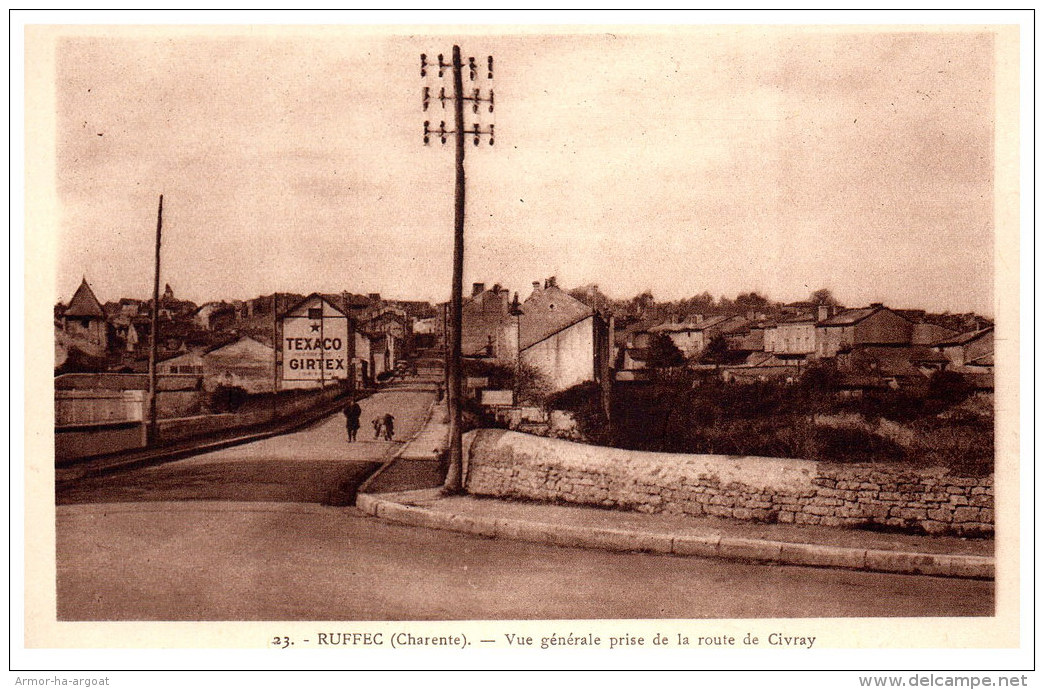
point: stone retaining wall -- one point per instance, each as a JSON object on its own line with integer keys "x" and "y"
{"x": 513, "y": 465}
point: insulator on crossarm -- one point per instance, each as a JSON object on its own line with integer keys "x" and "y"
{"x": 478, "y": 133}
{"x": 442, "y": 65}
{"x": 424, "y": 64}
{"x": 475, "y": 101}
{"x": 427, "y": 132}
{"x": 491, "y": 134}
{"x": 472, "y": 69}
{"x": 489, "y": 63}
{"x": 425, "y": 97}
{"x": 442, "y": 131}
{"x": 442, "y": 97}
{"x": 490, "y": 100}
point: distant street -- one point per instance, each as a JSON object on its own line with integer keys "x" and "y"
{"x": 313, "y": 465}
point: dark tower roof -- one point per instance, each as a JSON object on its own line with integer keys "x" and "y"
{"x": 84, "y": 303}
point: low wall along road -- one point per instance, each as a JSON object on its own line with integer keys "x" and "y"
{"x": 75, "y": 442}
{"x": 507, "y": 464}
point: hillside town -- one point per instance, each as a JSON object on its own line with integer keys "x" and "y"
{"x": 566, "y": 337}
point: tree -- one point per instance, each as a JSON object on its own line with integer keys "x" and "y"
{"x": 592, "y": 297}
{"x": 751, "y": 301}
{"x": 641, "y": 303}
{"x": 719, "y": 352}
{"x": 663, "y": 353}
{"x": 824, "y": 297}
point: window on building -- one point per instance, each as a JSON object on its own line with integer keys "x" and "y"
{"x": 315, "y": 313}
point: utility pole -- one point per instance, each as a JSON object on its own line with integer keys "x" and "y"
{"x": 454, "y": 363}
{"x": 276, "y": 345}
{"x": 154, "y": 344}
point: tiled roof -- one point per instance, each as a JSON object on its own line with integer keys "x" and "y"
{"x": 965, "y": 338}
{"x": 850, "y": 316}
{"x": 985, "y": 360}
{"x": 682, "y": 326}
{"x": 547, "y": 312}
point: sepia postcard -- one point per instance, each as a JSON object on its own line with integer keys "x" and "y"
{"x": 596, "y": 345}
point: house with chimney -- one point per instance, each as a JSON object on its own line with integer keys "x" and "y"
{"x": 563, "y": 338}
{"x": 692, "y": 336}
{"x": 557, "y": 334}
{"x": 793, "y": 336}
{"x": 873, "y": 325}
{"x": 488, "y": 329}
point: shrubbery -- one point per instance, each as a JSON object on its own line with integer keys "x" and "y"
{"x": 226, "y": 399}
{"x": 927, "y": 426}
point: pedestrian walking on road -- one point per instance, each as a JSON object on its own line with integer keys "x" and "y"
{"x": 352, "y": 413}
{"x": 389, "y": 427}
{"x": 376, "y": 428}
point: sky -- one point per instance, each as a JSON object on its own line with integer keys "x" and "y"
{"x": 679, "y": 161}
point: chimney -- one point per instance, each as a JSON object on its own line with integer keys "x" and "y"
{"x": 477, "y": 288}
{"x": 876, "y": 305}
{"x": 536, "y": 286}
{"x": 375, "y": 296}
{"x": 699, "y": 318}
{"x": 823, "y": 312}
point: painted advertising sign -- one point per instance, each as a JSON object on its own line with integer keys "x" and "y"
{"x": 315, "y": 343}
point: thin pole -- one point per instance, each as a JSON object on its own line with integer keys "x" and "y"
{"x": 154, "y": 345}
{"x": 454, "y": 477}
{"x": 276, "y": 345}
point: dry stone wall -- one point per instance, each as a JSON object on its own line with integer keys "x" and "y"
{"x": 508, "y": 464}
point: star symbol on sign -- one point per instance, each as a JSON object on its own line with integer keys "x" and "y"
{"x": 315, "y": 328}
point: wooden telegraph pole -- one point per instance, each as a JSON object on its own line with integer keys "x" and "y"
{"x": 154, "y": 341}
{"x": 454, "y": 364}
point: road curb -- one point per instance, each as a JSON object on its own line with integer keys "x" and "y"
{"x": 710, "y": 546}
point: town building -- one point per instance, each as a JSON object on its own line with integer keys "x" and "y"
{"x": 791, "y": 337}
{"x": 488, "y": 330}
{"x": 85, "y": 323}
{"x": 563, "y": 338}
{"x": 972, "y": 349}
{"x": 873, "y": 325}
{"x": 694, "y": 335}
{"x": 316, "y": 344}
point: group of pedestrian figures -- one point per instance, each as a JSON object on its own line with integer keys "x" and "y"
{"x": 381, "y": 425}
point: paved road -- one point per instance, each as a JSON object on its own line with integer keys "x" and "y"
{"x": 226, "y": 561}
{"x": 240, "y": 534}
{"x": 315, "y": 465}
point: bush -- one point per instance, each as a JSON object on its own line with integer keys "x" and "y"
{"x": 584, "y": 402}
{"x": 854, "y": 444}
{"x": 227, "y": 398}
{"x": 533, "y": 387}
{"x": 774, "y": 419}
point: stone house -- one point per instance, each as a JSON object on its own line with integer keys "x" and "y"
{"x": 568, "y": 341}
{"x": 488, "y": 330}
{"x": 692, "y": 336}
{"x": 972, "y": 349}
{"x": 873, "y": 325}
{"x": 792, "y": 337}
{"x": 246, "y": 363}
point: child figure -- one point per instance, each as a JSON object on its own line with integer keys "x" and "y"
{"x": 376, "y": 428}
{"x": 389, "y": 427}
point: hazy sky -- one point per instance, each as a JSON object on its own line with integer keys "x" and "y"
{"x": 717, "y": 159}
